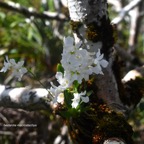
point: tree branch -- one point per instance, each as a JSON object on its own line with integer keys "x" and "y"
{"x": 133, "y": 74}
{"x": 135, "y": 26}
{"x": 28, "y": 12}
{"x": 133, "y": 83}
{"x": 114, "y": 140}
{"x": 128, "y": 57}
{"x": 24, "y": 98}
{"x": 125, "y": 10}
{"x": 91, "y": 25}
{"x": 116, "y": 4}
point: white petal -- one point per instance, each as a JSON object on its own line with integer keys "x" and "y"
{"x": 74, "y": 104}
{"x": 68, "y": 41}
{"x": 83, "y": 93}
{"x": 24, "y": 70}
{"x": 100, "y": 57}
{"x": 60, "y": 98}
{"x": 103, "y": 63}
{"x": 76, "y": 96}
{"x": 20, "y": 64}
{"x": 58, "y": 76}
{"x": 7, "y": 59}
{"x": 77, "y": 45}
{"x": 85, "y": 99}
{"x": 98, "y": 53}
{"x": 12, "y": 61}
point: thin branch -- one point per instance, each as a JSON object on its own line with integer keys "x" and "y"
{"x": 128, "y": 57}
{"x": 116, "y": 3}
{"x": 135, "y": 26}
{"x": 28, "y": 12}
{"x": 24, "y": 98}
{"x": 125, "y": 10}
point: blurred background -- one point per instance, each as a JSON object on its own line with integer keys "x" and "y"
{"x": 33, "y": 31}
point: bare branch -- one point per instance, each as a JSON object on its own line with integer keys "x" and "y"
{"x": 24, "y": 98}
{"x": 28, "y": 12}
{"x": 116, "y": 4}
{"x": 134, "y": 87}
{"x": 135, "y": 26}
{"x": 133, "y": 74}
{"x": 114, "y": 140}
{"x": 128, "y": 57}
{"x": 125, "y": 10}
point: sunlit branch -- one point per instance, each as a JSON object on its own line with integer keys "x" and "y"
{"x": 133, "y": 74}
{"x": 125, "y": 10}
{"x": 116, "y": 4}
{"x": 24, "y": 98}
{"x": 28, "y": 12}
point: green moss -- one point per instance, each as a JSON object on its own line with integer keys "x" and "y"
{"x": 105, "y": 32}
{"x": 92, "y": 33}
{"x": 75, "y": 25}
{"x": 97, "y": 124}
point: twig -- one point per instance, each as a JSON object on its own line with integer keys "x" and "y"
{"x": 125, "y": 10}
{"x": 135, "y": 26}
{"x": 28, "y": 12}
{"x": 128, "y": 57}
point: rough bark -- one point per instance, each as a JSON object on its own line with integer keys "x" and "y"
{"x": 96, "y": 32}
{"x": 106, "y": 117}
{"x": 91, "y": 24}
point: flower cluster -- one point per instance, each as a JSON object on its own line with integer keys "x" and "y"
{"x": 18, "y": 69}
{"x": 78, "y": 65}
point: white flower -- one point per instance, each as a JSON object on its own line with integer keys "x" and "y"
{"x": 62, "y": 80}
{"x": 18, "y": 73}
{"x": 60, "y": 98}
{"x": 79, "y": 96}
{"x": 57, "y": 93}
{"x": 75, "y": 61}
{"x": 6, "y": 66}
{"x": 75, "y": 100}
{"x": 99, "y": 61}
{"x": 17, "y": 68}
{"x": 78, "y": 63}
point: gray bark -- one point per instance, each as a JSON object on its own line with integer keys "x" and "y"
{"x": 24, "y": 98}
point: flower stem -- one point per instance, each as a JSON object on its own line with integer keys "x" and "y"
{"x": 35, "y": 77}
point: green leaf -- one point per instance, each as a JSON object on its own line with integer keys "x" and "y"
{"x": 75, "y": 85}
{"x": 68, "y": 96}
{"x": 72, "y": 112}
{"x": 60, "y": 68}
